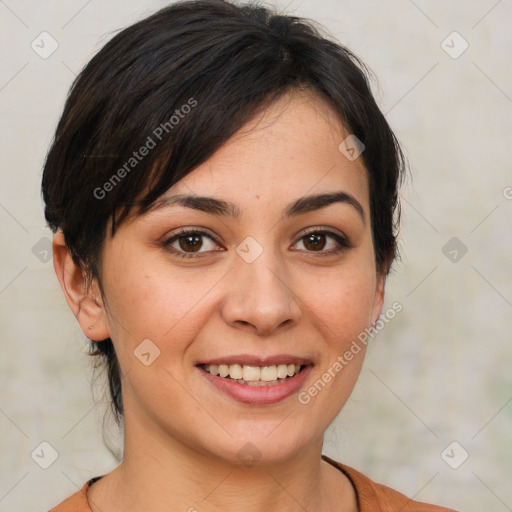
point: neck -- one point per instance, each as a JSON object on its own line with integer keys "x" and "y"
{"x": 160, "y": 473}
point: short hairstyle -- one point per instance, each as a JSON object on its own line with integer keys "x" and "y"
{"x": 180, "y": 83}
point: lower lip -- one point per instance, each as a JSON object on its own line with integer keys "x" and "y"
{"x": 258, "y": 395}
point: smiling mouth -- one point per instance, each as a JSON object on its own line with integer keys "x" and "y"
{"x": 254, "y": 375}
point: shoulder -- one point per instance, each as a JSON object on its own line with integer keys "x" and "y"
{"x": 371, "y": 495}
{"x": 77, "y": 502}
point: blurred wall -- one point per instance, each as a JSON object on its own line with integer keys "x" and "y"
{"x": 432, "y": 412}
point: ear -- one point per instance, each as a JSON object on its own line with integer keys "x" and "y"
{"x": 382, "y": 274}
{"x": 379, "y": 297}
{"x": 86, "y": 305}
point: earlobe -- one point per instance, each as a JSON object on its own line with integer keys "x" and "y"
{"x": 85, "y": 304}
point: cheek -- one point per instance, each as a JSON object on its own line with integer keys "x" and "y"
{"x": 342, "y": 303}
{"x": 340, "y": 311}
{"x": 149, "y": 300}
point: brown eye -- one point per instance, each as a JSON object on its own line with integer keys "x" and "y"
{"x": 189, "y": 242}
{"x": 315, "y": 241}
{"x": 318, "y": 240}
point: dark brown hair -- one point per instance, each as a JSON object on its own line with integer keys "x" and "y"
{"x": 180, "y": 83}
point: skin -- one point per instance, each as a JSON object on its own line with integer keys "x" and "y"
{"x": 182, "y": 435}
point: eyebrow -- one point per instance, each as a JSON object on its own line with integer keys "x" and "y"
{"x": 223, "y": 208}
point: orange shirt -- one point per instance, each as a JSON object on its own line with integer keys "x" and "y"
{"x": 371, "y": 497}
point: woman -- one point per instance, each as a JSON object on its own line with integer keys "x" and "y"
{"x": 222, "y": 188}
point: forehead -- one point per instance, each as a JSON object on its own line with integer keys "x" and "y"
{"x": 292, "y": 148}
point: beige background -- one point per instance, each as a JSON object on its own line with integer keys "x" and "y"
{"x": 439, "y": 372}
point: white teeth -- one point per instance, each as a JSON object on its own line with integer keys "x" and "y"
{"x": 282, "y": 371}
{"x": 234, "y": 371}
{"x": 254, "y": 373}
{"x": 268, "y": 373}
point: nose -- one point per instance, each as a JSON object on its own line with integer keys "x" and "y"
{"x": 259, "y": 296}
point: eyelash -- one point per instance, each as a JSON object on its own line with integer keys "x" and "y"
{"x": 341, "y": 241}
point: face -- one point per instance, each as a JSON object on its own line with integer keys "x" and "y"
{"x": 249, "y": 270}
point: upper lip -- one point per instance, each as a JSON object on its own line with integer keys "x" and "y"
{"x": 252, "y": 360}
